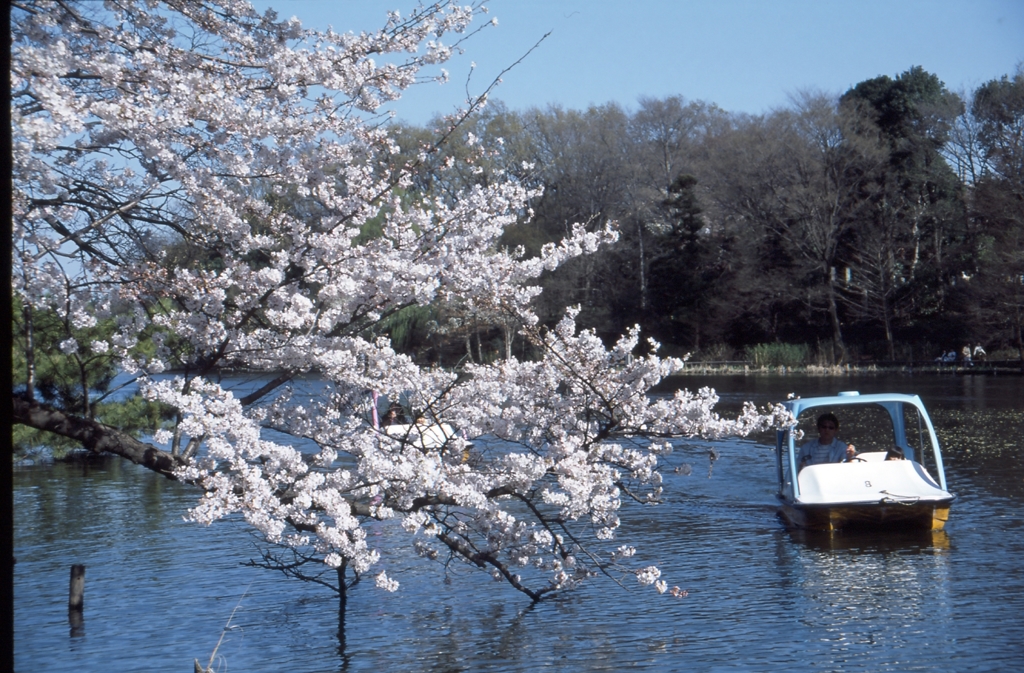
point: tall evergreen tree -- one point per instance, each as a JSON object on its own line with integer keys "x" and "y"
{"x": 909, "y": 234}
{"x": 685, "y": 270}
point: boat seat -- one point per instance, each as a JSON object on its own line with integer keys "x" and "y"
{"x": 872, "y": 456}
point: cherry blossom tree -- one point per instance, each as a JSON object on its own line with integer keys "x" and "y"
{"x": 153, "y": 143}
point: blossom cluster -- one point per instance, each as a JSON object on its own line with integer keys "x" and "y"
{"x": 210, "y": 177}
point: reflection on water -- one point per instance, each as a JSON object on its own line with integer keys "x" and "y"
{"x": 858, "y": 598}
{"x": 159, "y": 591}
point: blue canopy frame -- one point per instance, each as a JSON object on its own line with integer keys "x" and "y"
{"x": 893, "y": 403}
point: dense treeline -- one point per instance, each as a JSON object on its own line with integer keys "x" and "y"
{"x": 885, "y": 224}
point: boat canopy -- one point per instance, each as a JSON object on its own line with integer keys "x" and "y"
{"x": 893, "y": 403}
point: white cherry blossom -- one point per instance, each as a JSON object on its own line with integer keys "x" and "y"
{"x": 153, "y": 145}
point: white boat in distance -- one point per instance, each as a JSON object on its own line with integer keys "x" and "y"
{"x": 421, "y": 435}
{"x": 866, "y": 491}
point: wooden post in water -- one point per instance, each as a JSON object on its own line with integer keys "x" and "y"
{"x": 342, "y": 602}
{"x": 77, "y": 591}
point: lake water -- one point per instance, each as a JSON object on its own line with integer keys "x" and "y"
{"x": 159, "y": 591}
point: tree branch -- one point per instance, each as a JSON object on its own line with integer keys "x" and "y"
{"x": 95, "y": 436}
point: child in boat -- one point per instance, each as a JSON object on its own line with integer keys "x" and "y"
{"x": 827, "y": 448}
{"x": 895, "y": 453}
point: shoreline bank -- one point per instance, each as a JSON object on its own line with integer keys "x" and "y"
{"x": 1001, "y": 368}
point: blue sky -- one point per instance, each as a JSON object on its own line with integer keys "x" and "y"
{"x": 743, "y": 55}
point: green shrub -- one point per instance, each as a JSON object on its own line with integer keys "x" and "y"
{"x": 1003, "y": 354}
{"x": 779, "y": 354}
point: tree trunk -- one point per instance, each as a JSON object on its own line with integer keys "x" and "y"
{"x": 342, "y": 603}
{"x": 888, "y": 330}
{"x": 838, "y": 348}
{"x": 30, "y": 354}
{"x": 1019, "y": 333}
{"x": 643, "y": 275}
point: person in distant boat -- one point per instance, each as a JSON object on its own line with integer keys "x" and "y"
{"x": 979, "y": 352}
{"x": 827, "y": 448}
{"x": 394, "y": 416}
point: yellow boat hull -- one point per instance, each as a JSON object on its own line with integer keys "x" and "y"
{"x": 880, "y": 516}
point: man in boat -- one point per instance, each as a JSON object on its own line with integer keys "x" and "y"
{"x": 827, "y": 448}
{"x": 395, "y": 415}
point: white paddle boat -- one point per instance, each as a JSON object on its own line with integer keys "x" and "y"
{"x": 895, "y": 481}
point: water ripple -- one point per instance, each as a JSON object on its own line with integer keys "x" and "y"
{"x": 159, "y": 590}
